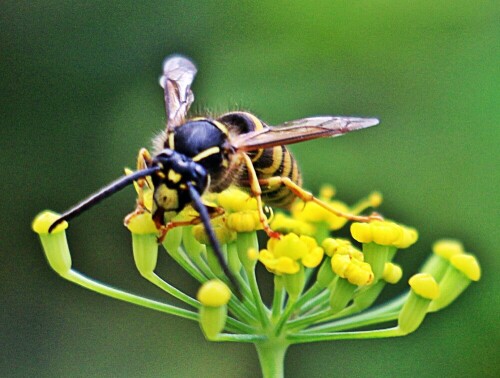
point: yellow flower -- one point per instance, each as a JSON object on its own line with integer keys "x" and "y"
{"x": 222, "y": 232}
{"x": 355, "y": 271}
{"x": 285, "y": 224}
{"x": 285, "y": 255}
{"x": 341, "y": 246}
{"x": 214, "y": 293}
{"x": 311, "y": 212}
{"x": 234, "y": 200}
{"x": 447, "y": 248}
{"x": 384, "y": 233}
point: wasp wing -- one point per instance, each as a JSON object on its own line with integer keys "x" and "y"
{"x": 178, "y": 74}
{"x": 300, "y": 130}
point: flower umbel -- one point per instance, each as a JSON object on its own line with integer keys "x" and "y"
{"x": 323, "y": 285}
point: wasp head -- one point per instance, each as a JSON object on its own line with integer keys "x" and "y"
{"x": 171, "y": 182}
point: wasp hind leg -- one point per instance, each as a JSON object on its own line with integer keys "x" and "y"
{"x": 253, "y": 182}
{"x": 306, "y": 196}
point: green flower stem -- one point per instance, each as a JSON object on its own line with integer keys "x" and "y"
{"x": 272, "y": 357}
{"x": 315, "y": 337}
{"x": 241, "y": 312}
{"x": 320, "y": 298}
{"x": 227, "y": 337}
{"x": 377, "y": 255}
{"x": 112, "y": 292}
{"x": 293, "y": 306}
{"x": 354, "y": 322}
{"x": 233, "y": 325}
{"x": 181, "y": 258}
{"x": 278, "y": 298}
{"x": 298, "y": 324}
{"x": 436, "y": 266}
{"x": 165, "y": 286}
{"x": 244, "y": 242}
{"x": 213, "y": 262}
{"x": 285, "y": 316}
{"x": 261, "y": 309}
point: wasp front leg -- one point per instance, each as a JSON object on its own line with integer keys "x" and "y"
{"x": 158, "y": 217}
{"x": 306, "y": 196}
{"x": 144, "y": 160}
{"x": 256, "y": 190}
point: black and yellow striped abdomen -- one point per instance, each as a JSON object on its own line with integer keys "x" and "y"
{"x": 268, "y": 162}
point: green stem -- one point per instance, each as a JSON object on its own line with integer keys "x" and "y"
{"x": 354, "y": 322}
{"x": 239, "y": 338}
{"x": 109, "y": 291}
{"x": 272, "y": 357}
{"x": 278, "y": 297}
{"x": 176, "y": 293}
{"x": 374, "y": 334}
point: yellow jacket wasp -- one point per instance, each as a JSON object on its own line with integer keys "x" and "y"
{"x": 199, "y": 155}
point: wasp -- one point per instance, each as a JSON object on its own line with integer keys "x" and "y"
{"x": 199, "y": 155}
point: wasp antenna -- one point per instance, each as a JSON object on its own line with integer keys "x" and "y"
{"x": 105, "y": 192}
{"x": 205, "y": 218}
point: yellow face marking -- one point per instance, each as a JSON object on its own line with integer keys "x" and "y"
{"x": 206, "y": 153}
{"x": 166, "y": 198}
{"x": 174, "y": 176}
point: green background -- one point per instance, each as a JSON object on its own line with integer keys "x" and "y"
{"x": 80, "y": 97}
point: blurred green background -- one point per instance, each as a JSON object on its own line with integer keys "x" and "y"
{"x": 80, "y": 97}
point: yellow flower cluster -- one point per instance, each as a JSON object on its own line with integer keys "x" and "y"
{"x": 354, "y": 270}
{"x": 384, "y": 233}
{"x": 285, "y": 255}
{"x": 342, "y": 247}
{"x": 241, "y": 210}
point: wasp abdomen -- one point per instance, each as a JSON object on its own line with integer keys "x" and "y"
{"x": 268, "y": 162}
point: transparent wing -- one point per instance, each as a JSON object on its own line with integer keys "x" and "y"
{"x": 301, "y": 130}
{"x": 178, "y": 74}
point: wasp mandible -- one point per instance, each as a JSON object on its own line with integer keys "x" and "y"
{"x": 199, "y": 155}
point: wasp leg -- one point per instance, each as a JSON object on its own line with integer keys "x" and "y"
{"x": 213, "y": 212}
{"x": 144, "y": 160}
{"x": 253, "y": 181}
{"x": 306, "y": 196}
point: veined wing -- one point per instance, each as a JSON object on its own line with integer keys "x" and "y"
{"x": 178, "y": 74}
{"x": 301, "y": 130}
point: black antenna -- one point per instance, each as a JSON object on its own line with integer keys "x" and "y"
{"x": 105, "y": 192}
{"x": 205, "y": 219}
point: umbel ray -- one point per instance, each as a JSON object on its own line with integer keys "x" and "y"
{"x": 199, "y": 155}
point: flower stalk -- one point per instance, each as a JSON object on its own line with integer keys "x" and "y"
{"x": 323, "y": 286}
